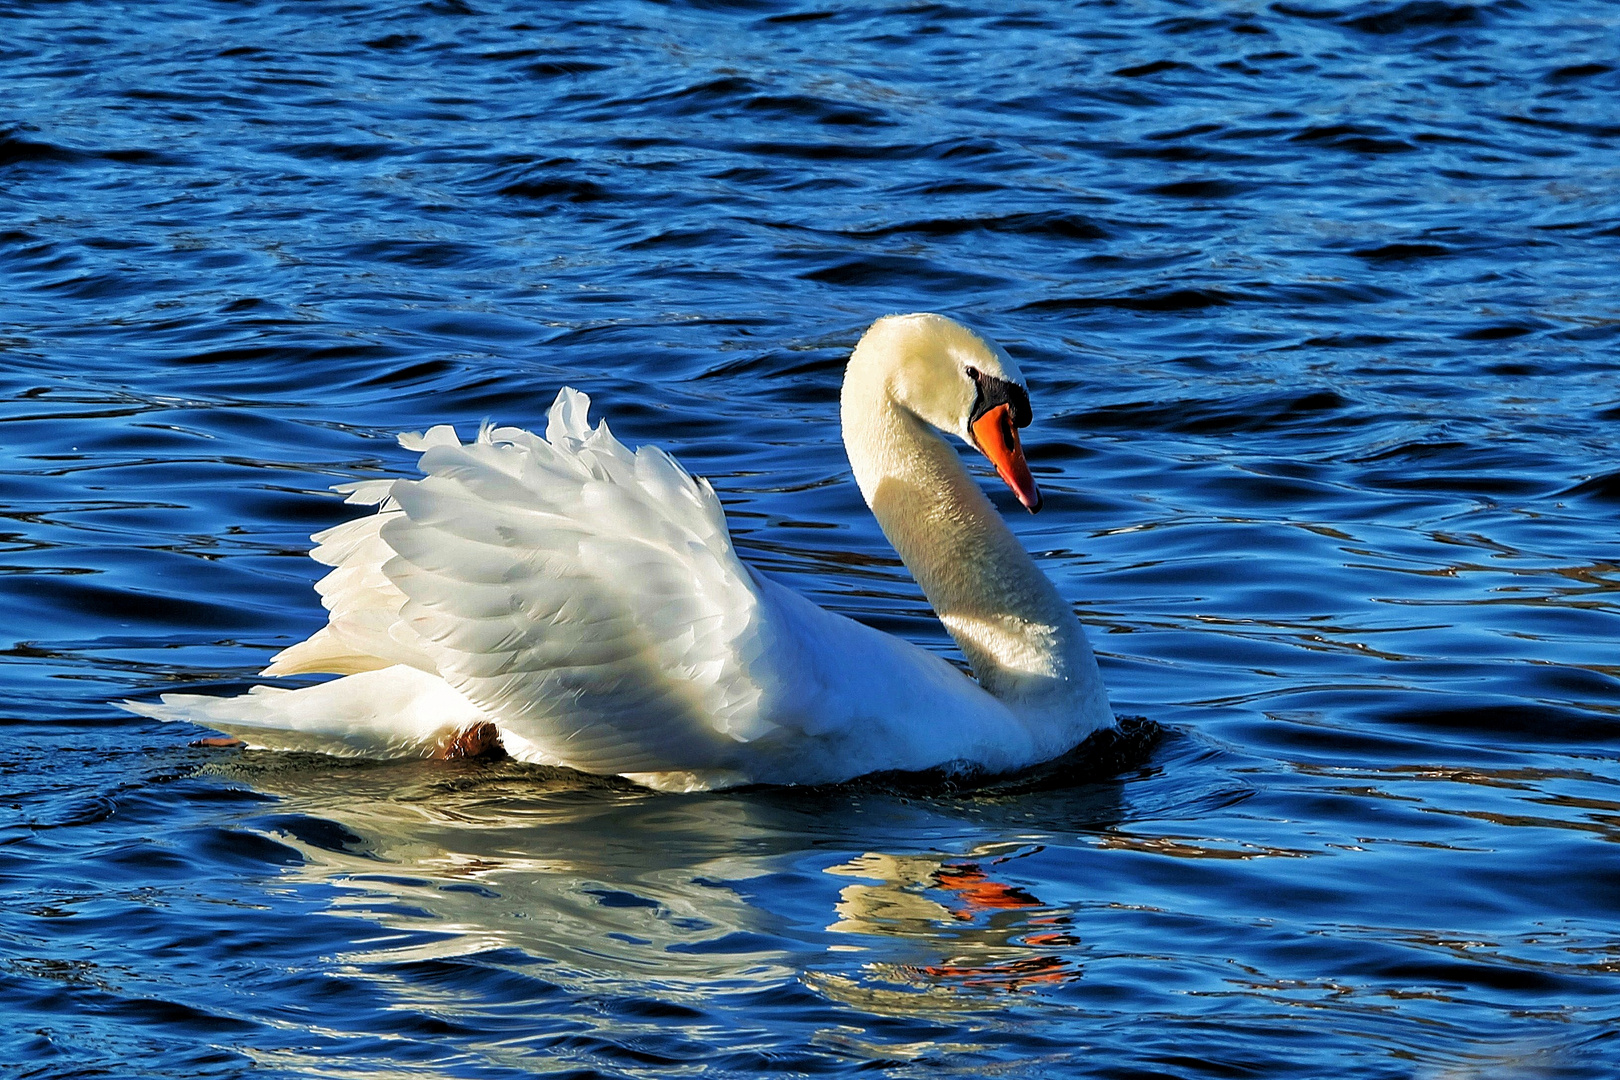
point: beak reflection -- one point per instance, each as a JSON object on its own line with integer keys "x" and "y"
{"x": 991, "y": 935}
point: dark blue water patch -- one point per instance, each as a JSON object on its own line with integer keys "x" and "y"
{"x": 1605, "y": 487}
{"x": 1499, "y": 332}
{"x": 616, "y": 898}
{"x": 549, "y": 186}
{"x": 1164, "y": 301}
{"x": 1198, "y": 189}
{"x": 1402, "y": 251}
{"x": 912, "y": 273}
{"x": 1044, "y": 224}
{"x": 316, "y": 832}
{"x": 17, "y": 148}
{"x": 1262, "y": 411}
{"x": 68, "y": 597}
{"x": 487, "y": 975}
{"x": 1514, "y": 722}
{"x": 1359, "y": 138}
{"x": 245, "y": 848}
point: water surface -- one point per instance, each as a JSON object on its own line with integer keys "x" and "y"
{"x": 1318, "y": 309}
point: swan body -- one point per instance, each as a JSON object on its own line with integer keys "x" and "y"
{"x": 586, "y": 601}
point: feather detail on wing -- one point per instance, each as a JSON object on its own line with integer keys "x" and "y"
{"x": 364, "y": 631}
{"x": 585, "y": 596}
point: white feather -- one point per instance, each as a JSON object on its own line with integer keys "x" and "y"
{"x": 390, "y": 712}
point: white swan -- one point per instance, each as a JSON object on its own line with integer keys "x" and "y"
{"x": 584, "y": 603}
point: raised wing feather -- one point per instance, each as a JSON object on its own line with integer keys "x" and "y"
{"x": 585, "y": 596}
{"x": 364, "y": 631}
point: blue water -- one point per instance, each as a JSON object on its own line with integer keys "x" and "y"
{"x": 1318, "y": 307}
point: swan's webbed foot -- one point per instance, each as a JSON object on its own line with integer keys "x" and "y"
{"x": 478, "y": 741}
{"x": 224, "y": 742}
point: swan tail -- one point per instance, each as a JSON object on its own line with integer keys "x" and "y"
{"x": 393, "y": 712}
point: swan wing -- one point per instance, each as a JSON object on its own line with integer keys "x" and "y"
{"x": 585, "y": 596}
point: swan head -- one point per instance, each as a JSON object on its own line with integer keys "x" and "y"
{"x": 956, "y": 381}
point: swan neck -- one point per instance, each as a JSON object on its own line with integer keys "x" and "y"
{"x": 1019, "y": 636}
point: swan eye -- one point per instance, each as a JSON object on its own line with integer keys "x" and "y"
{"x": 993, "y": 391}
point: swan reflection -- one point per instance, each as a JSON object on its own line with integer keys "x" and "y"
{"x": 687, "y": 899}
{"x": 990, "y": 934}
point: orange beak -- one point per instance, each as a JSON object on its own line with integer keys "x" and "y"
{"x": 998, "y": 440}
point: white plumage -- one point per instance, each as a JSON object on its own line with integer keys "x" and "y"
{"x": 586, "y": 600}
